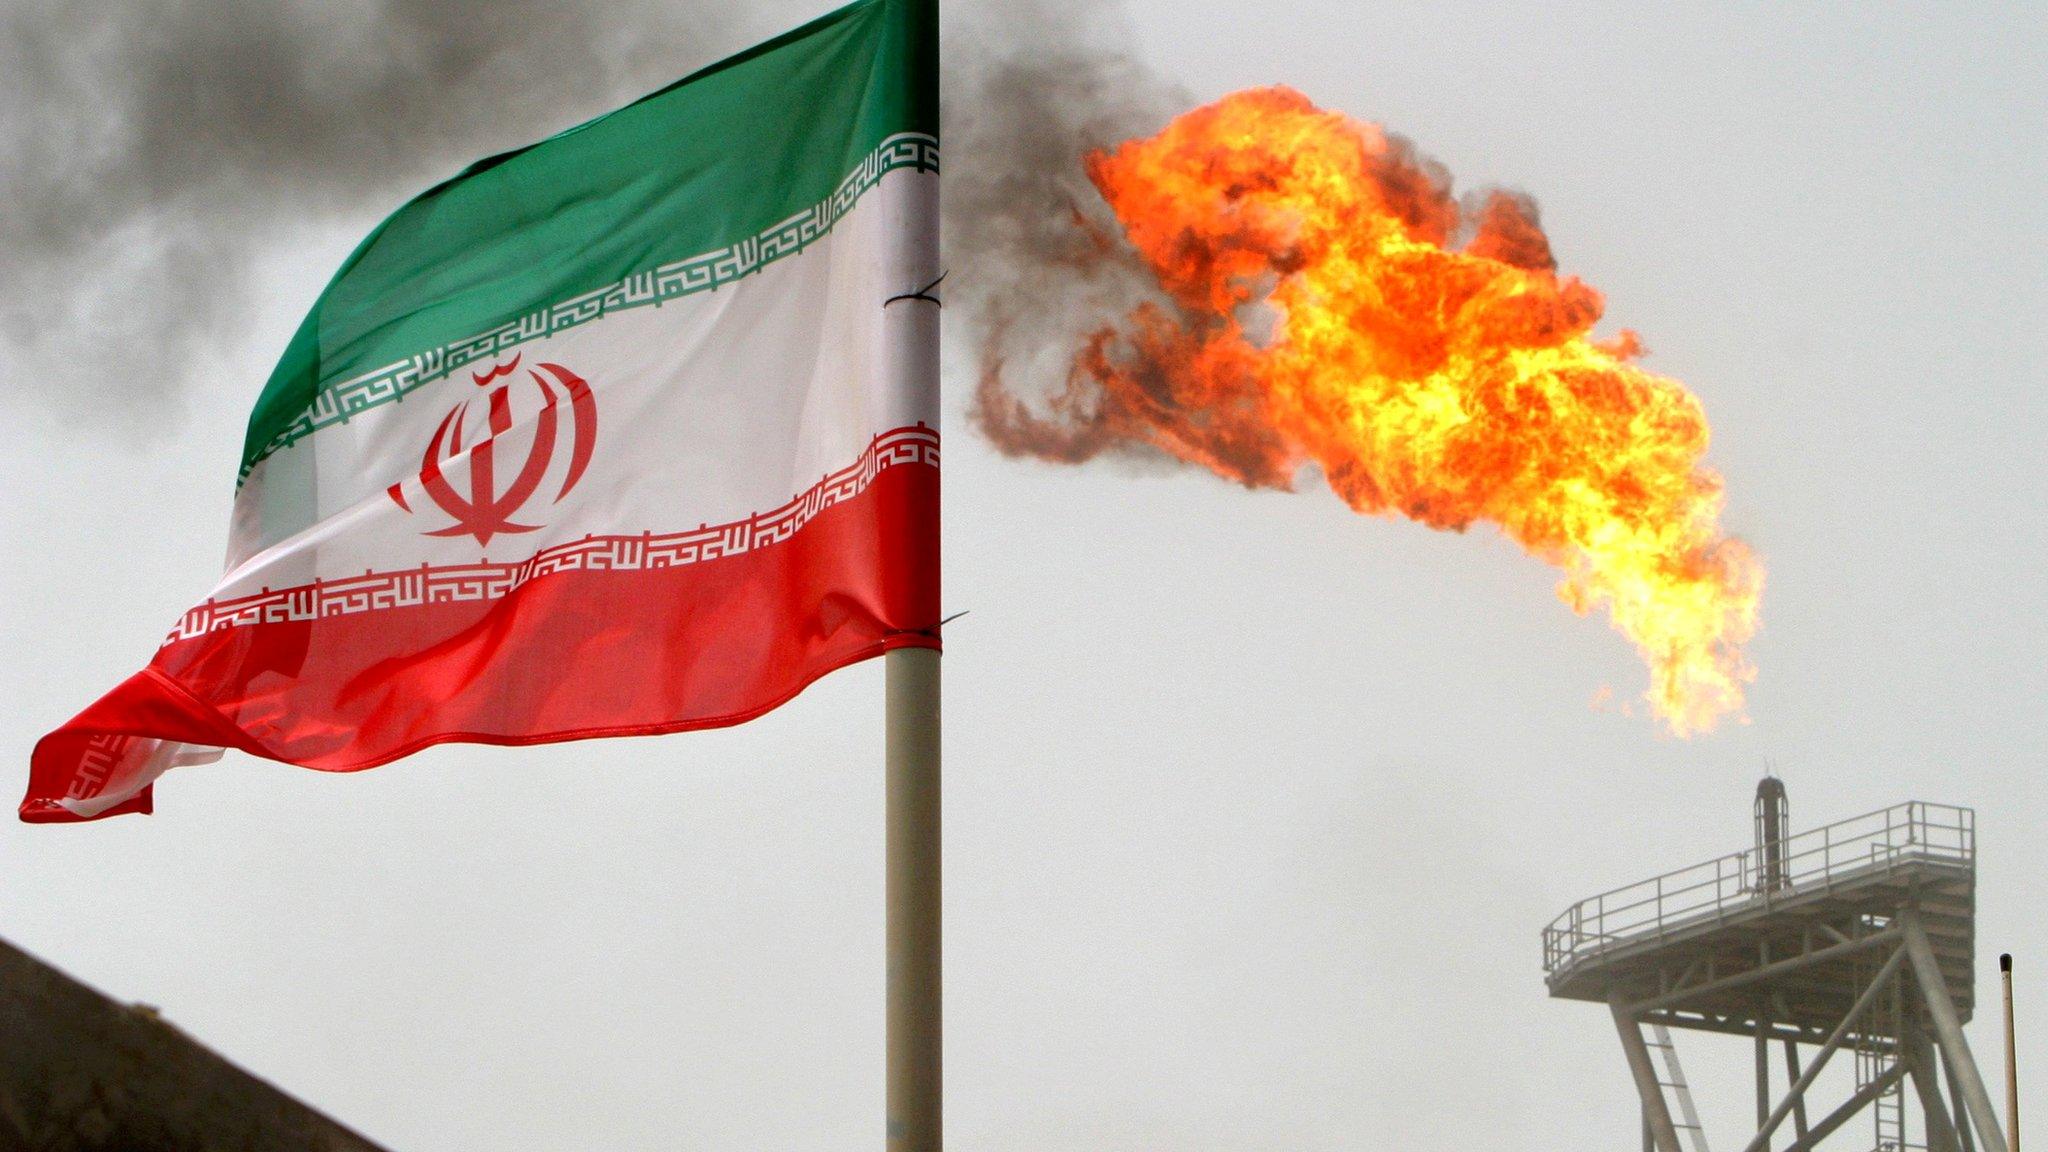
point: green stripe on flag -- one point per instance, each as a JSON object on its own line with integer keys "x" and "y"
{"x": 682, "y": 190}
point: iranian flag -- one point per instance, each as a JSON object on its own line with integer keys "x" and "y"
{"x": 631, "y": 431}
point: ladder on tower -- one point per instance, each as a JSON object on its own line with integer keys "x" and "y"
{"x": 1673, "y": 1082}
{"x": 1875, "y": 1057}
{"x": 1890, "y": 1106}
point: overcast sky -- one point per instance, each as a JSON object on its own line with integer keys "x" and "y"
{"x": 1255, "y": 808}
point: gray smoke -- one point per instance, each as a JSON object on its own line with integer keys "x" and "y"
{"x": 1038, "y": 262}
{"x": 151, "y": 149}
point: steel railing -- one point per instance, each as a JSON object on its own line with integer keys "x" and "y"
{"x": 1817, "y": 861}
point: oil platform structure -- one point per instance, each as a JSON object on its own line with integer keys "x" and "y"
{"x": 1857, "y": 939}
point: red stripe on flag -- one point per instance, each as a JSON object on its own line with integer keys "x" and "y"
{"x": 564, "y": 656}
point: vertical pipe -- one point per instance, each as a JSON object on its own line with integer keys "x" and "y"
{"x": 1773, "y": 828}
{"x": 2012, "y": 1060}
{"x": 1948, "y": 1033}
{"x": 912, "y": 816}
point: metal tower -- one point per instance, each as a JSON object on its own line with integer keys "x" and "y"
{"x": 1860, "y": 935}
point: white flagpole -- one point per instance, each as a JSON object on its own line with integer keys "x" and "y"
{"x": 914, "y": 1065}
{"x": 913, "y": 853}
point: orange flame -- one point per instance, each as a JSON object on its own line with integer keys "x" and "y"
{"x": 1451, "y": 384}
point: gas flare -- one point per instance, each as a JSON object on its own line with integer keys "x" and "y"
{"x": 1325, "y": 300}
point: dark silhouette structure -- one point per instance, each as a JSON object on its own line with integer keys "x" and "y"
{"x": 80, "y": 1072}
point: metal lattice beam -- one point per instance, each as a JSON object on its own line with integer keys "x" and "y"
{"x": 1827, "y": 1050}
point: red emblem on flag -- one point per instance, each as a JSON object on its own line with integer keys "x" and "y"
{"x": 485, "y": 511}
